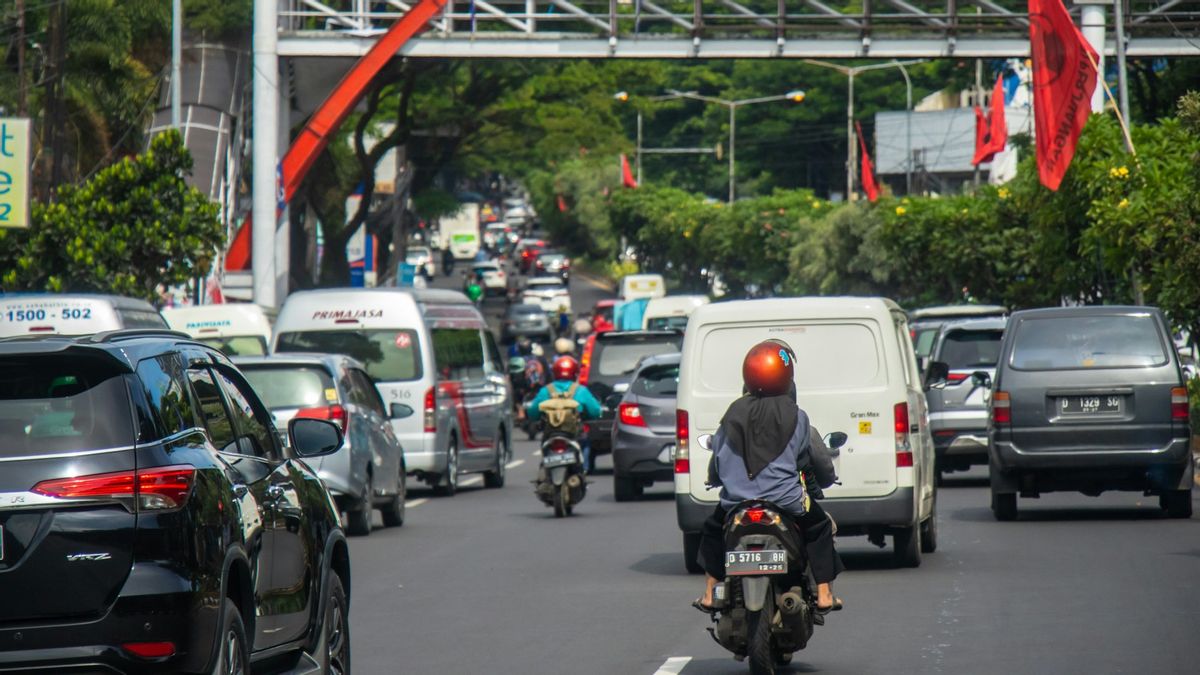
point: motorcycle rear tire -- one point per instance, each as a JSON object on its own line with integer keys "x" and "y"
{"x": 758, "y": 646}
{"x": 561, "y": 509}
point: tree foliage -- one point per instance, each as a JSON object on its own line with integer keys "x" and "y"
{"x": 132, "y": 229}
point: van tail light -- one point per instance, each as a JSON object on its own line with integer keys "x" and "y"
{"x": 585, "y": 361}
{"x": 1179, "y": 403}
{"x": 333, "y": 413}
{"x": 1002, "y": 408}
{"x": 430, "y": 411}
{"x": 631, "y": 415}
{"x": 156, "y": 489}
{"x": 683, "y": 462}
{"x": 904, "y": 455}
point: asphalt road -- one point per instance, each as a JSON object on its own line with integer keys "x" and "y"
{"x": 489, "y": 581}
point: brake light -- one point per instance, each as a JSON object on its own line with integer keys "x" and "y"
{"x": 945, "y": 432}
{"x": 631, "y": 414}
{"x": 558, "y": 445}
{"x": 682, "y": 453}
{"x": 755, "y": 515}
{"x": 1001, "y": 408}
{"x": 333, "y": 413}
{"x": 150, "y": 650}
{"x": 955, "y": 378}
{"x": 430, "y": 411}
{"x": 904, "y": 455}
{"x": 585, "y": 360}
{"x": 1179, "y": 403}
{"x": 156, "y": 489}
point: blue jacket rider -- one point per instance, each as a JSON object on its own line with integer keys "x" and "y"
{"x": 565, "y": 371}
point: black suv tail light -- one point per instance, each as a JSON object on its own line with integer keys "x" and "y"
{"x": 157, "y": 489}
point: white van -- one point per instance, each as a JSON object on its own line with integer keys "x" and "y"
{"x": 435, "y": 363}
{"x": 236, "y": 329}
{"x": 638, "y": 286}
{"x": 460, "y": 232}
{"x": 855, "y": 372}
{"x": 74, "y": 314}
{"x": 671, "y": 312}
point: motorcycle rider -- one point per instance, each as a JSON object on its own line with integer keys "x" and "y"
{"x": 766, "y": 449}
{"x": 564, "y": 346}
{"x": 565, "y": 371}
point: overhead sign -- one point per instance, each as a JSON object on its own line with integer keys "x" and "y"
{"x": 14, "y": 172}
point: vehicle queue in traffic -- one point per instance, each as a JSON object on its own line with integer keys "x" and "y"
{"x": 162, "y": 455}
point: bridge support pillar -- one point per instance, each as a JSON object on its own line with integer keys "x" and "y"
{"x": 1092, "y": 26}
{"x": 265, "y": 133}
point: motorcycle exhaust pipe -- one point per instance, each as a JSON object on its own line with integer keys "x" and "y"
{"x": 791, "y": 603}
{"x": 573, "y": 481}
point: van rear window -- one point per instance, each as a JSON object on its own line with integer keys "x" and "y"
{"x": 966, "y": 349}
{"x": 390, "y": 355}
{"x": 58, "y": 403}
{"x": 828, "y": 355}
{"x": 1081, "y": 342}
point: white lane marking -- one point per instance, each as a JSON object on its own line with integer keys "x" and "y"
{"x": 415, "y": 502}
{"x": 514, "y": 464}
{"x": 474, "y": 480}
{"x": 535, "y": 453}
{"x": 673, "y": 665}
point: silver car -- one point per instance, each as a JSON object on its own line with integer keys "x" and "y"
{"x": 368, "y": 471}
{"x": 643, "y": 433}
{"x": 963, "y": 363}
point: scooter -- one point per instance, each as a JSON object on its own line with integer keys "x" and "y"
{"x": 766, "y": 609}
{"x": 560, "y": 482}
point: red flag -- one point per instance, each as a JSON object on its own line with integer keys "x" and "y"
{"x": 983, "y": 138}
{"x": 1063, "y": 81}
{"x": 627, "y": 178}
{"x": 869, "y": 185}
{"x": 562, "y": 204}
{"x": 999, "y": 124}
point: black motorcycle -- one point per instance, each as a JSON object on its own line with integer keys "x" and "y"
{"x": 560, "y": 481}
{"x": 766, "y": 609}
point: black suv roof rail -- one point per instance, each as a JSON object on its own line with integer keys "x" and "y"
{"x": 131, "y": 333}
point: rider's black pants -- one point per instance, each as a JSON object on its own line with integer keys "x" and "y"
{"x": 818, "y": 541}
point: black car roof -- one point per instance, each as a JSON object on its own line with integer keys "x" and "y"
{"x": 126, "y": 347}
{"x": 1085, "y": 310}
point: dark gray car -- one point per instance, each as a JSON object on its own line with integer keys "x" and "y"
{"x": 608, "y": 367}
{"x": 957, "y": 384}
{"x": 525, "y": 321}
{"x": 643, "y": 434}
{"x": 1089, "y": 399}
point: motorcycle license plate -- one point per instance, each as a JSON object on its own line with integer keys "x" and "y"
{"x": 558, "y": 459}
{"x": 754, "y": 563}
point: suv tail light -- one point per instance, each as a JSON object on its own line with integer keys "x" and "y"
{"x": 585, "y": 360}
{"x": 1179, "y": 403}
{"x": 157, "y": 489}
{"x": 1002, "y": 410}
{"x": 904, "y": 455}
{"x": 631, "y": 414}
{"x": 955, "y": 378}
{"x": 333, "y": 413}
{"x": 430, "y": 411}
{"x": 150, "y": 650}
{"x": 682, "y": 453}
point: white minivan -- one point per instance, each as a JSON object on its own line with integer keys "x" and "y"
{"x": 237, "y": 329}
{"x": 74, "y": 314}
{"x": 434, "y": 362}
{"x": 638, "y": 286}
{"x": 671, "y": 312}
{"x": 856, "y": 373}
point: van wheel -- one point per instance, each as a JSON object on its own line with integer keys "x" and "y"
{"x": 448, "y": 485}
{"x": 495, "y": 477}
{"x": 691, "y": 553}
{"x": 1004, "y": 505}
{"x": 907, "y": 547}
{"x": 358, "y": 521}
{"x": 929, "y": 530}
{"x": 626, "y": 489}
{"x": 233, "y": 652}
{"x": 1177, "y": 503}
{"x": 393, "y": 513}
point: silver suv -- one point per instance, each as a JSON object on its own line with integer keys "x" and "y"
{"x": 957, "y": 387}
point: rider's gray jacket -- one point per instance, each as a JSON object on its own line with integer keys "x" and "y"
{"x": 778, "y": 483}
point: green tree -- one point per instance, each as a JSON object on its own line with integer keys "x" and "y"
{"x": 132, "y": 229}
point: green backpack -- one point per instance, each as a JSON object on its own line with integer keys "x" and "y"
{"x": 561, "y": 412}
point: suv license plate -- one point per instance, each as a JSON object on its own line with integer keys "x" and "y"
{"x": 1103, "y": 404}
{"x": 754, "y": 563}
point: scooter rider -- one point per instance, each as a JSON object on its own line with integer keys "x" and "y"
{"x": 565, "y": 371}
{"x": 766, "y": 449}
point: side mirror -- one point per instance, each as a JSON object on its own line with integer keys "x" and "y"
{"x": 981, "y": 379}
{"x": 836, "y": 439}
{"x": 399, "y": 411}
{"x": 705, "y": 441}
{"x": 613, "y": 400}
{"x": 314, "y": 438}
{"x": 936, "y": 373}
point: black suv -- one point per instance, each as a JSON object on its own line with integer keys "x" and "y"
{"x": 152, "y": 520}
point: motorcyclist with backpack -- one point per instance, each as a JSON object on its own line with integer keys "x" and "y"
{"x": 564, "y": 388}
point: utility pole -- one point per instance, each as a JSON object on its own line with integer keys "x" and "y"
{"x": 176, "y": 67}
{"x": 52, "y": 118}
{"x": 732, "y": 153}
{"x": 1122, "y": 85}
{"x": 21, "y": 58}
{"x": 978, "y": 101}
{"x": 851, "y": 146}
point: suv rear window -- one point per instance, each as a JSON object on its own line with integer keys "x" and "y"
{"x": 53, "y": 404}
{"x": 966, "y": 349}
{"x": 389, "y": 355}
{"x": 291, "y": 387}
{"x": 657, "y": 381}
{"x": 615, "y": 358}
{"x": 1080, "y": 342}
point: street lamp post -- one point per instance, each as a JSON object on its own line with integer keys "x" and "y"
{"x": 851, "y": 147}
{"x": 623, "y": 96}
{"x": 794, "y": 95}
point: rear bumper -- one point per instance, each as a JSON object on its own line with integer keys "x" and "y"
{"x": 636, "y": 454}
{"x": 1008, "y": 456}
{"x": 600, "y": 435}
{"x": 420, "y": 455}
{"x": 894, "y": 510}
{"x": 691, "y": 513}
{"x": 1090, "y": 472}
{"x": 166, "y": 613}
{"x": 968, "y": 448}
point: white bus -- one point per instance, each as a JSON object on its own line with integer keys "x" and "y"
{"x": 460, "y": 232}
